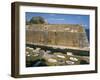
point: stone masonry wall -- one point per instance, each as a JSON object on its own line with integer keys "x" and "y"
{"x": 55, "y": 34}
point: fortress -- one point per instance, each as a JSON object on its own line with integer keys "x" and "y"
{"x": 68, "y": 35}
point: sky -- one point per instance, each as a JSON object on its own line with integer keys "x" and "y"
{"x": 53, "y": 18}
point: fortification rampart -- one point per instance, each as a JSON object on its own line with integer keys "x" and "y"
{"x": 57, "y": 34}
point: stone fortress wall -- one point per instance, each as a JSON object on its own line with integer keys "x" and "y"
{"x": 69, "y": 35}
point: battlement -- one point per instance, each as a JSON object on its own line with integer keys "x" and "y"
{"x": 56, "y": 27}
